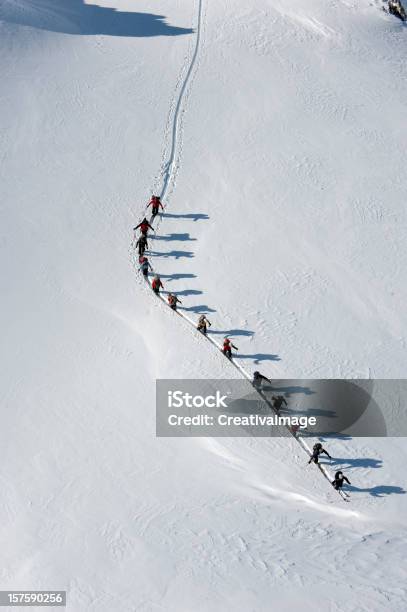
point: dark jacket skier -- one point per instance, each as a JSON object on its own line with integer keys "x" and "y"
{"x": 278, "y": 401}
{"x": 142, "y": 244}
{"x": 317, "y": 450}
{"x": 202, "y": 324}
{"x": 143, "y": 225}
{"x": 339, "y": 480}
{"x": 258, "y": 378}
{"x": 227, "y": 348}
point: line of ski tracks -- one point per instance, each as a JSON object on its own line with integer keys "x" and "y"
{"x": 167, "y": 178}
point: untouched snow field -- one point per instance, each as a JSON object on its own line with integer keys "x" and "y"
{"x": 285, "y": 222}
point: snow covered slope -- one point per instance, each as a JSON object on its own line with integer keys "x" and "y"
{"x": 285, "y": 221}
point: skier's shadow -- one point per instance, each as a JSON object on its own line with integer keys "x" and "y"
{"x": 248, "y": 406}
{"x": 179, "y": 237}
{"x": 76, "y": 17}
{"x": 176, "y": 254}
{"x": 288, "y": 391}
{"x": 325, "y": 436}
{"x": 329, "y": 435}
{"x": 185, "y": 292}
{"x": 362, "y": 462}
{"x": 379, "y": 491}
{"x": 171, "y": 277}
{"x": 193, "y": 216}
{"x": 201, "y": 309}
{"x": 232, "y": 332}
{"x": 316, "y": 412}
{"x": 258, "y": 357}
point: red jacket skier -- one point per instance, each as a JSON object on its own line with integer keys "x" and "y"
{"x": 156, "y": 285}
{"x": 144, "y": 225}
{"x": 155, "y": 203}
{"x": 227, "y": 348}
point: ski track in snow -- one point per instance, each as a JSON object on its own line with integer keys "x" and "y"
{"x": 168, "y": 176}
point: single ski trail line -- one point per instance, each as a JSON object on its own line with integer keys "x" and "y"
{"x": 170, "y": 165}
{"x": 175, "y": 124}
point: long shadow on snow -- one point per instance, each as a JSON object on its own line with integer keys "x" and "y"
{"x": 231, "y": 332}
{"x": 201, "y": 309}
{"x": 316, "y": 412}
{"x": 366, "y": 462}
{"x": 324, "y": 436}
{"x": 76, "y": 17}
{"x": 379, "y": 491}
{"x": 180, "y": 237}
{"x": 291, "y": 390}
{"x": 193, "y": 216}
{"x": 176, "y": 254}
{"x": 177, "y": 276}
{"x": 185, "y": 292}
{"x": 258, "y": 357}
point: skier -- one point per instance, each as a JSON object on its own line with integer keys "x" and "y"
{"x": 155, "y": 203}
{"x": 202, "y": 324}
{"x": 317, "y": 450}
{"x": 143, "y": 225}
{"x": 156, "y": 285}
{"x": 278, "y": 401}
{"x": 173, "y": 301}
{"x": 142, "y": 244}
{"x": 144, "y": 266}
{"x": 257, "y": 380}
{"x": 227, "y": 348}
{"x": 397, "y": 9}
{"x": 339, "y": 479}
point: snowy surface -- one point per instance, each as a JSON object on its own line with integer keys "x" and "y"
{"x": 290, "y": 157}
